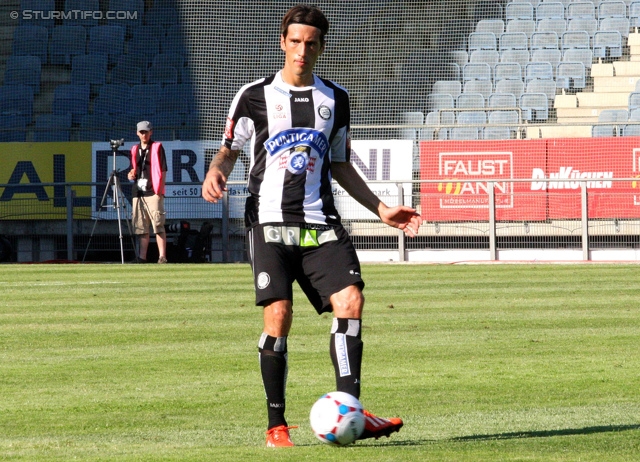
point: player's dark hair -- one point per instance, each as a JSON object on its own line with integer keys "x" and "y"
{"x": 309, "y": 15}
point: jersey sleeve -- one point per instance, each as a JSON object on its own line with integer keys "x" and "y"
{"x": 341, "y": 142}
{"x": 239, "y": 125}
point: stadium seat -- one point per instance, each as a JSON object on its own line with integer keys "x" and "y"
{"x": 13, "y": 128}
{"x": 470, "y": 101}
{"x": 482, "y": 41}
{"x": 550, "y": 10}
{"x": 620, "y": 25}
{"x": 95, "y": 127}
{"x": 17, "y": 100}
{"x": 634, "y": 115}
{"x": 107, "y": 40}
{"x": 634, "y": 100}
{"x": 518, "y": 10}
{"x": 528, "y": 26}
{"x": 437, "y": 118}
{"x": 548, "y": 87}
{"x": 613, "y": 115}
{"x": 71, "y": 99}
{"x": 544, "y": 40}
{"x": 607, "y": 44}
{"x": 84, "y": 20}
{"x": 169, "y": 59}
{"x": 575, "y": 39}
{"x": 571, "y": 75}
{"x": 23, "y": 70}
{"x": 89, "y": 69}
{"x": 135, "y": 12}
{"x": 634, "y": 14}
{"x": 548, "y": 56}
{"x": 167, "y": 126}
{"x": 47, "y": 21}
{"x": 52, "y": 127}
{"x": 460, "y": 57}
{"x": 612, "y": 9}
{"x": 490, "y": 25}
{"x": 408, "y": 118}
{"x": 496, "y": 133}
{"x": 464, "y": 133}
{"x": 598, "y": 131}
{"x": 163, "y": 75}
{"x": 437, "y": 101}
{"x": 502, "y": 100}
{"x": 143, "y": 48}
{"x": 507, "y": 71}
{"x": 631, "y": 130}
{"x": 485, "y": 87}
{"x": 521, "y": 57}
{"x": 190, "y": 130}
{"x": 146, "y": 97}
{"x": 112, "y": 99}
{"x": 174, "y": 41}
{"x": 66, "y": 42}
{"x": 582, "y": 55}
{"x": 161, "y": 16}
{"x": 476, "y": 71}
{"x": 124, "y": 126}
{"x": 590, "y": 26}
{"x": 453, "y": 87}
{"x": 534, "y": 106}
{"x": 581, "y": 10}
{"x": 505, "y": 117}
{"x": 538, "y": 70}
{"x": 30, "y": 40}
{"x": 559, "y": 26}
{"x": 127, "y": 75}
{"x": 513, "y": 41}
{"x": 515, "y": 87}
{"x": 472, "y": 118}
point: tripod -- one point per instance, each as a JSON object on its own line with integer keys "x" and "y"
{"x": 118, "y": 203}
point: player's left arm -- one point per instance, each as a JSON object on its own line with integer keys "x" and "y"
{"x": 400, "y": 216}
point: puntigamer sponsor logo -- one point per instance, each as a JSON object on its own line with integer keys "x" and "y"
{"x": 460, "y": 172}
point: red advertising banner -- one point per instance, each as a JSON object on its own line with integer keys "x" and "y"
{"x": 458, "y": 165}
{"x": 599, "y": 160}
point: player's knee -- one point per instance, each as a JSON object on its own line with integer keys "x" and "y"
{"x": 348, "y": 303}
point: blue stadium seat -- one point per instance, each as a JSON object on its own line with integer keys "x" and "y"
{"x": 169, "y": 59}
{"x": 190, "y": 130}
{"x": 550, "y": 10}
{"x": 44, "y": 20}
{"x": 17, "y": 100}
{"x": 514, "y": 41}
{"x": 71, "y": 99}
{"x": 544, "y": 40}
{"x": 29, "y": 40}
{"x": 174, "y": 41}
{"x": 581, "y": 9}
{"x": 575, "y": 39}
{"x": 124, "y": 126}
{"x": 452, "y": 87}
{"x": 135, "y": 13}
{"x": 507, "y": 71}
{"x": 122, "y": 73}
{"x": 95, "y": 127}
{"x": 502, "y": 100}
{"x": 571, "y": 75}
{"x": 89, "y": 69}
{"x": 612, "y": 9}
{"x": 66, "y": 42}
{"x": 607, "y": 44}
{"x": 52, "y": 127}
{"x": 146, "y": 97}
{"x": 167, "y": 126}
{"x": 518, "y": 10}
{"x": 112, "y": 98}
{"x": 534, "y": 106}
{"x": 13, "y": 128}
{"x": 163, "y": 75}
{"x": 515, "y": 87}
{"x": 470, "y": 101}
{"x": 161, "y": 16}
{"x": 490, "y": 25}
{"x": 107, "y": 40}
{"x": 79, "y": 10}
{"x": 23, "y": 70}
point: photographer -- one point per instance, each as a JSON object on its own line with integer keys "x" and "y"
{"x": 149, "y": 176}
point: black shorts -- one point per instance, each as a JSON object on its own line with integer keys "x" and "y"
{"x": 321, "y": 258}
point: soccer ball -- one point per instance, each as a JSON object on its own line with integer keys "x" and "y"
{"x": 337, "y": 418}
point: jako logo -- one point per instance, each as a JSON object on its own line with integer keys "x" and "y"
{"x": 300, "y": 100}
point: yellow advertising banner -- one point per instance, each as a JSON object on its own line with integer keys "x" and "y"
{"x": 25, "y": 166}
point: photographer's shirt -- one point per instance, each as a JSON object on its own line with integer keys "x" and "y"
{"x": 143, "y": 161}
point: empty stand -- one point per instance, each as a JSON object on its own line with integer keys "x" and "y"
{"x": 24, "y": 70}
{"x": 66, "y": 42}
{"x": 73, "y": 100}
{"x": 89, "y": 69}
{"x": 107, "y": 40}
{"x": 52, "y": 127}
{"x": 17, "y": 100}
{"x": 31, "y": 40}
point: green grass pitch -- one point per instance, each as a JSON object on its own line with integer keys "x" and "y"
{"x": 159, "y": 363}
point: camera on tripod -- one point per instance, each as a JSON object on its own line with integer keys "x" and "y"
{"x": 115, "y": 144}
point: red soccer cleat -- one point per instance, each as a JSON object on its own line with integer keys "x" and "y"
{"x": 375, "y": 427}
{"x": 278, "y": 437}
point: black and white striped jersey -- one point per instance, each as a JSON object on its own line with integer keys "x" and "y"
{"x": 294, "y": 133}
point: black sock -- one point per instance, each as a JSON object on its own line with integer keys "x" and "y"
{"x": 346, "y": 354}
{"x": 273, "y": 365}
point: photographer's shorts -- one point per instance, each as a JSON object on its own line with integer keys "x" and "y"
{"x": 148, "y": 211}
{"x": 321, "y": 258}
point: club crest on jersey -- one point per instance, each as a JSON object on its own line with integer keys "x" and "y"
{"x": 298, "y": 160}
{"x": 294, "y": 137}
{"x": 324, "y": 112}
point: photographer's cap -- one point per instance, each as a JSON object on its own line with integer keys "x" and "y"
{"x": 144, "y": 126}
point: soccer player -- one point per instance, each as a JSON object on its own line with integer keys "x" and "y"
{"x": 297, "y": 125}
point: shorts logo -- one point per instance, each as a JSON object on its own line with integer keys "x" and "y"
{"x": 263, "y": 280}
{"x": 324, "y": 112}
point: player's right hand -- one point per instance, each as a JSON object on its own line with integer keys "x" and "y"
{"x": 214, "y": 185}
